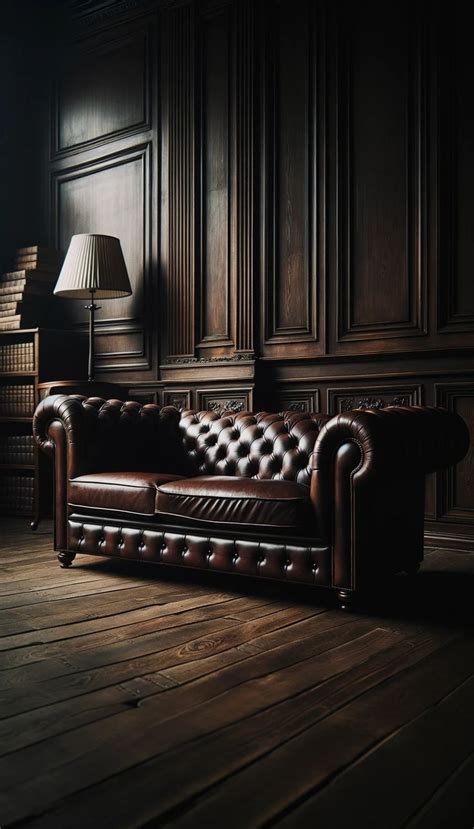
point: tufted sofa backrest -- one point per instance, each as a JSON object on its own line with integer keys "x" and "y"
{"x": 260, "y": 445}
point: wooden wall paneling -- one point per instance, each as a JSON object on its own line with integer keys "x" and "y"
{"x": 144, "y": 395}
{"x": 112, "y": 195}
{"x": 365, "y": 396}
{"x": 293, "y": 114}
{"x": 180, "y": 398}
{"x": 243, "y": 227}
{"x": 179, "y": 270}
{"x": 215, "y": 71}
{"x": 455, "y": 488}
{"x": 104, "y": 91}
{"x": 381, "y": 177}
{"x": 456, "y": 174}
{"x": 225, "y": 399}
{"x": 299, "y": 399}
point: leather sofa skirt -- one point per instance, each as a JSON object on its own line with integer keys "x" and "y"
{"x": 306, "y": 561}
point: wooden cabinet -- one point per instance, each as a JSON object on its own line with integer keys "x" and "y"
{"x": 28, "y": 357}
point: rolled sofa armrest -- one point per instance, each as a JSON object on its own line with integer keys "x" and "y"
{"x": 89, "y": 434}
{"x": 368, "y": 483}
{"x": 106, "y": 434}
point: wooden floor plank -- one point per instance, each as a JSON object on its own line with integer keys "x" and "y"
{"x": 186, "y": 648}
{"x": 312, "y": 758}
{"x": 214, "y": 757}
{"x": 178, "y": 602}
{"x": 95, "y": 756}
{"x": 452, "y": 804}
{"x": 421, "y": 755}
{"x": 135, "y": 696}
{"x": 25, "y": 649}
{"x": 291, "y": 644}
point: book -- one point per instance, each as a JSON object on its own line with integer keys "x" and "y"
{"x": 7, "y": 308}
{"x": 17, "y": 357}
{"x": 10, "y": 323}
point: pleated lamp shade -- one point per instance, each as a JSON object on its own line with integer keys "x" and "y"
{"x": 93, "y": 263}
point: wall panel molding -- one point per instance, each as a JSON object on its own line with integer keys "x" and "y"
{"x": 112, "y": 195}
{"x": 294, "y": 118}
{"x": 455, "y": 487}
{"x": 104, "y": 92}
{"x": 181, "y": 265}
{"x": 362, "y": 396}
{"x": 225, "y": 399}
{"x": 456, "y": 176}
{"x": 243, "y": 178}
{"x": 381, "y": 123}
{"x": 215, "y": 30}
{"x": 299, "y": 399}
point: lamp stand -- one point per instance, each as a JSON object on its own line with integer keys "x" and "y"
{"x": 92, "y": 308}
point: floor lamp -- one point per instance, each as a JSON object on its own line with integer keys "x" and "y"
{"x": 94, "y": 268}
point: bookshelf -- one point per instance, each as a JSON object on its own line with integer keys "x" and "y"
{"x": 30, "y": 357}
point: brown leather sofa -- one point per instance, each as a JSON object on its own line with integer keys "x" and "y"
{"x": 335, "y": 502}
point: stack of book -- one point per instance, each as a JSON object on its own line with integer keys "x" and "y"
{"x": 17, "y": 357}
{"x": 17, "y": 449}
{"x": 16, "y": 494}
{"x": 26, "y": 291}
{"x": 17, "y": 400}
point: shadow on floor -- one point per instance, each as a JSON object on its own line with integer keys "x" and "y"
{"x": 441, "y": 592}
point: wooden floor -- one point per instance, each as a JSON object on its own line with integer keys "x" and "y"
{"x": 143, "y": 696}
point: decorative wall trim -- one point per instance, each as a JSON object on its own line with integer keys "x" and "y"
{"x": 87, "y": 13}
{"x": 276, "y": 332}
{"x": 455, "y": 486}
{"x": 180, "y": 398}
{"x": 372, "y": 397}
{"x": 299, "y": 400}
{"x": 181, "y": 183}
{"x": 136, "y": 358}
{"x": 224, "y": 399}
{"x": 416, "y": 183}
{"x": 233, "y": 358}
{"x": 214, "y": 33}
{"x": 86, "y": 52}
{"x": 449, "y": 122}
{"x": 243, "y": 204}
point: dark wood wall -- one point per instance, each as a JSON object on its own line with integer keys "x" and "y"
{"x": 293, "y": 185}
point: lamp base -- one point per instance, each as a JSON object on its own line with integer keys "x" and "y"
{"x": 92, "y": 308}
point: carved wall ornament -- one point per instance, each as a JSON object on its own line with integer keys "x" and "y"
{"x": 297, "y": 406}
{"x": 226, "y": 406}
{"x": 234, "y": 358}
{"x": 87, "y": 12}
{"x": 349, "y": 403}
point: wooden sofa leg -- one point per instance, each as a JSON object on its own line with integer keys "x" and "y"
{"x": 346, "y": 599}
{"x": 66, "y": 558}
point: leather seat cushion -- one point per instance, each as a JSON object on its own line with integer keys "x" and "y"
{"x": 119, "y": 491}
{"x": 231, "y": 500}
